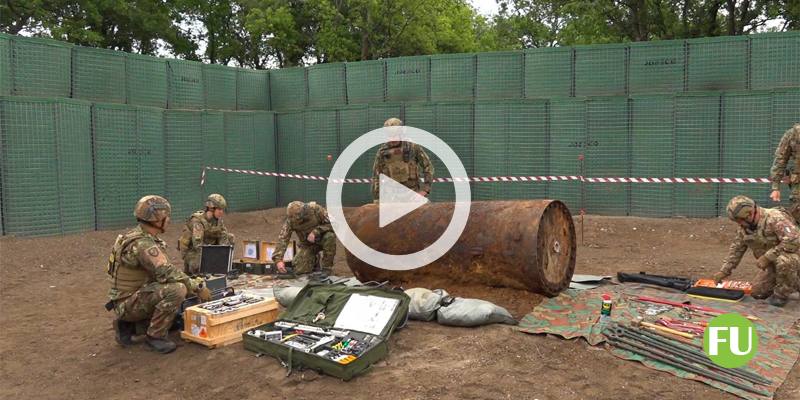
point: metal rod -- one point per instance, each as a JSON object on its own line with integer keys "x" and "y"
{"x": 691, "y": 355}
{"x": 641, "y": 350}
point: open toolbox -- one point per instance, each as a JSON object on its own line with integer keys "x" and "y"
{"x": 334, "y": 329}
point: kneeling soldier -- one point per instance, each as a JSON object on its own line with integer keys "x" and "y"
{"x": 313, "y": 228}
{"x": 144, "y": 284}
{"x": 203, "y": 227}
{"x": 775, "y": 241}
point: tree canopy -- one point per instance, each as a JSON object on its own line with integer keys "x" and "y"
{"x": 269, "y": 33}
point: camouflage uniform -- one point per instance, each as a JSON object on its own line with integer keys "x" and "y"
{"x": 405, "y": 162}
{"x": 788, "y": 147}
{"x": 776, "y": 238}
{"x": 144, "y": 284}
{"x": 199, "y": 231}
{"x": 302, "y": 219}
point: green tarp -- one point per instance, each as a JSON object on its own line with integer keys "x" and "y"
{"x": 98, "y": 75}
{"x": 652, "y": 154}
{"x": 320, "y": 138}
{"x": 252, "y": 88}
{"x": 657, "y": 66}
{"x": 407, "y": 78}
{"x": 600, "y": 70}
{"x": 774, "y": 60}
{"x": 500, "y": 76}
{"x": 607, "y": 152}
{"x": 549, "y": 72}
{"x": 697, "y": 154}
{"x": 326, "y": 85}
{"x": 41, "y": 67}
{"x": 354, "y": 122}
{"x": 567, "y": 143}
{"x": 46, "y": 166}
{"x": 453, "y": 77}
{"x": 718, "y": 63}
{"x": 186, "y": 88}
{"x": 128, "y": 160}
{"x": 291, "y": 156}
{"x": 288, "y": 88}
{"x": 146, "y": 79}
{"x": 220, "y": 87}
{"x": 366, "y": 81}
{"x": 184, "y": 161}
{"x": 6, "y": 80}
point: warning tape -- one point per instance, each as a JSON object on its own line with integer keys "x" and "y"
{"x": 541, "y": 178}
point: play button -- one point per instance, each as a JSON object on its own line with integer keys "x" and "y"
{"x": 396, "y": 201}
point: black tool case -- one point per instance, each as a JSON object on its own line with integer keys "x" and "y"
{"x": 316, "y": 313}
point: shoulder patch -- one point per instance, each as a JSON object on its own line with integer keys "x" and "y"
{"x": 153, "y": 251}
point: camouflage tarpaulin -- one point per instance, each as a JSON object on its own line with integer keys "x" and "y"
{"x": 576, "y": 313}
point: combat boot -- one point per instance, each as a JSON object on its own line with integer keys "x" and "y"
{"x": 777, "y": 301}
{"x": 161, "y": 345}
{"x": 123, "y": 332}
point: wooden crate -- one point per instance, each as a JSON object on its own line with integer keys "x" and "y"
{"x": 217, "y": 330}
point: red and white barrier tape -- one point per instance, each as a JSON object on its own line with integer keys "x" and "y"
{"x": 543, "y": 178}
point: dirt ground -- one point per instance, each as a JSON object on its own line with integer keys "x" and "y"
{"x": 57, "y": 340}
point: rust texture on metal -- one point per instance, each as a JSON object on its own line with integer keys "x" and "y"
{"x": 517, "y": 244}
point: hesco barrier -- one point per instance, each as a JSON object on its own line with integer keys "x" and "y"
{"x": 46, "y": 166}
{"x": 711, "y": 107}
{"x": 41, "y": 67}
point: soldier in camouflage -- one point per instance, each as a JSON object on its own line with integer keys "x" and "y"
{"x": 405, "y": 162}
{"x": 203, "y": 227}
{"x": 313, "y": 228}
{"x": 788, "y": 148}
{"x": 144, "y": 284}
{"x": 775, "y": 241}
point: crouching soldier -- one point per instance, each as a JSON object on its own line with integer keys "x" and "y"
{"x": 775, "y": 241}
{"x": 203, "y": 227}
{"x": 314, "y": 231}
{"x": 145, "y": 286}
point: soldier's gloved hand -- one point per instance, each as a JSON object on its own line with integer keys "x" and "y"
{"x": 763, "y": 263}
{"x": 204, "y": 294}
{"x": 195, "y": 284}
{"x": 719, "y": 276}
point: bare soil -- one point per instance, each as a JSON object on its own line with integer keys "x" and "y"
{"x": 56, "y": 340}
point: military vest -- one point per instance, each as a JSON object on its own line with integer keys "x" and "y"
{"x": 759, "y": 240}
{"x": 125, "y": 278}
{"x": 399, "y": 163}
{"x": 308, "y": 224}
{"x": 211, "y": 231}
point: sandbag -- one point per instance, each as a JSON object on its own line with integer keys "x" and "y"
{"x": 424, "y": 303}
{"x": 473, "y": 312}
{"x": 286, "y": 294}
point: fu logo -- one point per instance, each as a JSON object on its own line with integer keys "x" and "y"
{"x": 730, "y": 340}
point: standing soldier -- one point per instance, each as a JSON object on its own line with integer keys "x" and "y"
{"x": 788, "y": 147}
{"x": 144, "y": 284}
{"x": 203, "y": 227}
{"x": 313, "y": 228}
{"x": 405, "y": 162}
{"x": 775, "y": 241}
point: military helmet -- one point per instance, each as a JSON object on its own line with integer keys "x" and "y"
{"x": 152, "y": 208}
{"x": 295, "y": 209}
{"x": 740, "y": 208}
{"x": 393, "y": 122}
{"x": 216, "y": 200}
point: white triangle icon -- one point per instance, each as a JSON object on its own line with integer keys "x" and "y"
{"x": 396, "y": 200}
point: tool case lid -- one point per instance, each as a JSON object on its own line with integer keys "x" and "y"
{"x": 365, "y": 308}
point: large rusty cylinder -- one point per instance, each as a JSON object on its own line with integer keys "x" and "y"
{"x": 526, "y": 244}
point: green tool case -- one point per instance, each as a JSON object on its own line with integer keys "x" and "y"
{"x": 337, "y": 330}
